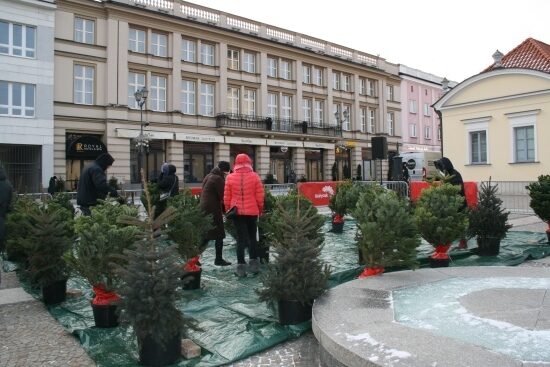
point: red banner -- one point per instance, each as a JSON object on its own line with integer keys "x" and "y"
{"x": 318, "y": 193}
{"x": 470, "y": 190}
{"x": 196, "y": 191}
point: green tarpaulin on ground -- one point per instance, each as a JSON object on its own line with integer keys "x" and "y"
{"x": 234, "y": 323}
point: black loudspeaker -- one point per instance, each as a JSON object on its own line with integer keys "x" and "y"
{"x": 379, "y": 147}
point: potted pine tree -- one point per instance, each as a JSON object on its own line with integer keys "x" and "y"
{"x": 187, "y": 230}
{"x": 101, "y": 241}
{"x": 263, "y": 226}
{"x": 540, "y": 199}
{"x": 488, "y": 221}
{"x": 297, "y": 275}
{"x": 150, "y": 278}
{"x": 49, "y": 236}
{"x": 339, "y": 205}
{"x": 440, "y": 220}
{"x": 387, "y": 234}
{"x": 16, "y": 231}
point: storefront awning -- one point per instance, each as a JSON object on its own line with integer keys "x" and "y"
{"x": 200, "y": 138}
{"x": 86, "y": 147}
{"x": 312, "y": 144}
{"x": 134, "y": 133}
{"x": 285, "y": 143}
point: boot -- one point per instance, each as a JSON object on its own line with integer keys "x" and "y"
{"x": 254, "y": 266}
{"x": 240, "y": 270}
{"x": 221, "y": 262}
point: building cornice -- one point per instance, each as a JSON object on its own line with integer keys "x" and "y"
{"x": 80, "y": 56}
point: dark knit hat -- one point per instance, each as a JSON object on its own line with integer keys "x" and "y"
{"x": 224, "y": 166}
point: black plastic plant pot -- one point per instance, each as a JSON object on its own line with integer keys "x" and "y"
{"x": 548, "y": 236}
{"x": 439, "y": 263}
{"x": 191, "y": 280}
{"x": 152, "y": 353}
{"x": 488, "y": 246}
{"x": 337, "y": 227}
{"x": 293, "y": 312}
{"x": 105, "y": 316}
{"x": 361, "y": 261}
{"x": 55, "y": 293}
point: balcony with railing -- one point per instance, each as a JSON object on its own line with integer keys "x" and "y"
{"x": 185, "y": 10}
{"x": 273, "y": 124}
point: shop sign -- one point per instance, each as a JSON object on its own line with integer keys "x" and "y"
{"x": 200, "y": 138}
{"x": 132, "y": 134}
{"x": 312, "y": 144}
{"x": 319, "y": 193}
{"x": 86, "y": 147}
{"x": 242, "y": 140}
{"x": 284, "y": 143}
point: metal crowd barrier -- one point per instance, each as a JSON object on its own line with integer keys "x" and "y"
{"x": 514, "y": 195}
{"x": 399, "y": 187}
{"x": 280, "y": 189}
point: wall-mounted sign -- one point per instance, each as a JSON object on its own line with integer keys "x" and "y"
{"x": 134, "y": 133}
{"x": 284, "y": 143}
{"x": 312, "y": 144}
{"x": 86, "y": 147}
{"x": 200, "y": 138}
{"x": 242, "y": 140}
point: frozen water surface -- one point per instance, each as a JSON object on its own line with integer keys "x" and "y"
{"x": 436, "y": 307}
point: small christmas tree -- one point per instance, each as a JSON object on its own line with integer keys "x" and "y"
{"x": 387, "y": 234}
{"x": 263, "y": 226}
{"x": 440, "y": 220}
{"x": 297, "y": 273}
{"x": 150, "y": 279}
{"x": 540, "y": 199}
{"x": 17, "y": 234}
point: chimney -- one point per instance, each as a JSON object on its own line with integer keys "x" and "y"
{"x": 445, "y": 85}
{"x": 497, "y": 56}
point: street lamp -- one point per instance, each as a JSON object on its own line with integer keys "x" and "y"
{"x": 142, "y": 140}
{"x": 342, "y": 117}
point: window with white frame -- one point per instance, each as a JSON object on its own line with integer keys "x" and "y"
{"x": 362, "y": 86}
{"x": 272, "y": 105}
{"x": 286, "y": 71}
{"x": 207, "y": 99}
{"x": 391, "y": 123}
{"x": 83, "y": 84}
{"x": 412, "y": 129}
{"x": 306, "y": 106}
{"x": 306, "y": 74}
{"x": 336, "y": 80}
{"x": 84, "y": 30}
{"x": 390, "y": 90}
{"x": 136, "y": 81}
{"x": 249, "y": 99}
{"x": 272, "y": 67}
{"x": 371, "y": 87}
{"x": 158, "y": 93}
{"x": 207, "y": 54}
{"x": 249, "y": 62}
{"x": 427, "y": 132}
{"x": 346, "y": 83}
{"x": 478, "y": 147}
{"x": 136, "y": 40}
{"x": 318, "y": 76}
{"x": 524, "y": 144}
{"x": 337, "y": 108}
{"x": 439, "y": 132}
{"x": 188, "y": 50}
{"x": 427, "y": 110}
{"x": 319, "y": 112}
{"x": 233, "y": 59}
{"x": 412, "y": 106}
{"x": 523, "y": 136}
{"x": 188, "y": 97}
{"x": 346, "y": 124}
{"x": 158, "y": 44}
{"x": 363, "y": 120}
{"x": 286, "y": 107}
{"x": 17, "y": 99}
{"x": 17, "y": 39}
{"x": 372, "y": 121}
{"x": 233, "y": 94}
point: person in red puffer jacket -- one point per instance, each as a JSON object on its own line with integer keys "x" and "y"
{"x": 244, "y": 190}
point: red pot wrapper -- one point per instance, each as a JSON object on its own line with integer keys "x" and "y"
{"x": 441, "y": 252}
{"x": 103, "y": 297}
{"x": 337, "y": 218}
{"x": 191, "y": 266}
{"x": 369, "y": 272}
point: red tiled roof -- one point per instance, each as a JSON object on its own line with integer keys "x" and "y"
{"x": 530, "y": 54}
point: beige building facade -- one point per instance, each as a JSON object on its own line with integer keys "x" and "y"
{"x": 218, "y": 85}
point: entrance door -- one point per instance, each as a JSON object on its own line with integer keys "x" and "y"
{"x": 74, "y": 168}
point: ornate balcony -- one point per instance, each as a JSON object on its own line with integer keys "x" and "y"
{"x": 264, "y": 124}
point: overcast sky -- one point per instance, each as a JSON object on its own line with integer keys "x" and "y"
{"x": 451, "y": 38}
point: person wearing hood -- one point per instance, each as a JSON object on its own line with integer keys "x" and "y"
{"x": 92, "y": 185}
{"x": 445, "y": 166}
{"x": 211, "y": 202}
{"x": 6, "y": 192}
{"x": 167, "y": 182}
{"x": 245, "y": 191}
{"x": 52, "y": 185}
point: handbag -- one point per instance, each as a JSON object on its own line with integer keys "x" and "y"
{"x": 231, "y": 213}
{"x": 166, "y": 195}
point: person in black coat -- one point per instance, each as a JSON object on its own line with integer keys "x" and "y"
{"x": 211, "y": 202}
{"x": 6, "y": 192}
{"x": 168, "y": 182}
{"x": 93, "y": 183}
